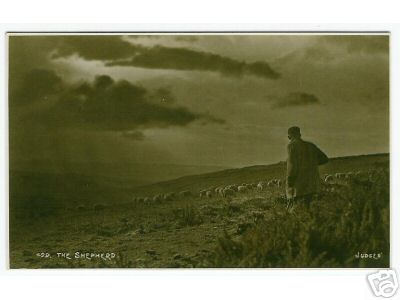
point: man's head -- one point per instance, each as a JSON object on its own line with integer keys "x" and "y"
{"x": 294, "y": 133}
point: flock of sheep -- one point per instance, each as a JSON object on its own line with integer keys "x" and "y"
{"x": 215, "y": 191}
{"x": 334, "y": 178}
{"x": 233, "y": 189}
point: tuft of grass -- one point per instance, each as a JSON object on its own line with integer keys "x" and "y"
{"x": 188, "y": 216}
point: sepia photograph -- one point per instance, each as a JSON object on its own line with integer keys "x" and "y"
{"x": 198, "y": 150}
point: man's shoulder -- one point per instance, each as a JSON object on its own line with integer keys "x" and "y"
{"x": 299, "y": 143}
{"x": 296, "y": 142}
{"x": 293, "y": 144}
{"x": 308, "y": 144}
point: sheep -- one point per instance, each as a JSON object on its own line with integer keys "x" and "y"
{"x": 340, "y": 175}
{"x": 228, "y": 192}
{"x": 242, "y": 188}
{"x": 157, "y": 198}
{"x": 249, "y": 186}
{"x": 202, "y": 193}
{"x": 233, "y": 187}
{"x": 217, "y": 190}
{"x": 221, "y": 192}
{"x": 262, "y": 185}
{"x": 329, "y": 178}
{"x": 168, "y": 197}
{"x": 212, "y": 188}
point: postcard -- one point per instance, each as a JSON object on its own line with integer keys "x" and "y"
{"x": 199, "y": 150}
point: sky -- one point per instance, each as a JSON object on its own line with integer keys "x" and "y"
{"x": 217, "y": 100}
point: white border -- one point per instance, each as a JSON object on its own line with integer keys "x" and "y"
{"x": 183, "y": 284}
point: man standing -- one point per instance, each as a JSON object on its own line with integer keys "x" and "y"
{"x": 303, "y": 180}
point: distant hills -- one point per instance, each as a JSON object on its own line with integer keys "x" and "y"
{"x": 133, "y": 174}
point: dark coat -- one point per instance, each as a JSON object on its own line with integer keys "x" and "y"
{"x": 302, "y": 168}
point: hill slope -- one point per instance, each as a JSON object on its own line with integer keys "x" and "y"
{"x": 195, "y": 183}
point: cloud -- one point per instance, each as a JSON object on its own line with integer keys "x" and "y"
{"x": 367, "y": 44}
{"x": 94, "y": 47}
{"x": 162, "y": 94}
{"x": 160, "y": 57}
{"x": 103, "y": 104}
{"x": 25, "y": 54}
{"x": 116, "y": 106}
{"x": 115, "y": 51}
{"x": 333, "y": 49}
{"x": 296, "y": 99}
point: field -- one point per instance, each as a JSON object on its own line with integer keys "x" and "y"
{"x": 71, "y": 221}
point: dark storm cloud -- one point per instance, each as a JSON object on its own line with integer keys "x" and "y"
{"x": 162, "y": 94}
{"x": 114, "y": 51}
{"x": 27, "y": 53}
{"x": 296, "y": 99}
{"x": 108, "y": 105}
{"x": 371, "y": 44}
{"x": 95, "y": 47}
{"x": 160, "y": 57}
{"x": 103, "y": 104}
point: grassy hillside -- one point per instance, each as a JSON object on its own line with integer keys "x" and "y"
{"x": 67, "y": 213}
{"x": 195, "y": 183}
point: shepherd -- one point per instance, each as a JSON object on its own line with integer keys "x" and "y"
{"x": 303, "y": 181}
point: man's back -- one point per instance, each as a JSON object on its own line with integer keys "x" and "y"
{"x": 302, "y": 166}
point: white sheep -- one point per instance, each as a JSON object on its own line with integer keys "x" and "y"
{"x": 262, "y": 185}
{"x": 340, "y": 175}
{"x": 203, "y": 193}
{"x": 228, "y": 192}
{"x": 168, "y": 197}
{"x": 242, "y": 189}
{"x": 157, "y": 198}
{"x": 329, "y": 178}
{"x": 233, "y": 187}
